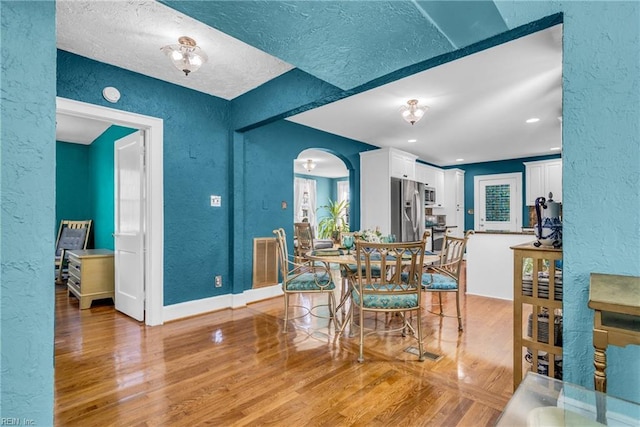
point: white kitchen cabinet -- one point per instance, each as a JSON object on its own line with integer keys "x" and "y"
{"x": 438, "y": 184}
{"x": 543, "y": 177}
{"x": 453, "y": 201}
{"x": 377, "y": 167}
{"x": 402, "y": 165}
{"x": 432, "y": 177}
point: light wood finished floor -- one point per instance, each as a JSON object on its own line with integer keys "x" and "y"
{"x": 236, "y": 367}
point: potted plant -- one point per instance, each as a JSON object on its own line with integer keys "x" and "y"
{"x": 335, "y": 222}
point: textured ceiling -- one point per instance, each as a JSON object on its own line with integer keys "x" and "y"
{"x": 130, "y": 35}
{"x": 348, "y": 43}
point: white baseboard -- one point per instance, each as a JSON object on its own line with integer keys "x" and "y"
{"x": 206, "y": 305}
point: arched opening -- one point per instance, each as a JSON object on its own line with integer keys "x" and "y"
{"x": 321, "y": 192}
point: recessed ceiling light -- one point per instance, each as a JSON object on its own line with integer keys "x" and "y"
{"x": 411, "y": 140}
{"x": 554, "y": 148}
{"x": 533, "y": 120}
{"x": 459, "y": 160}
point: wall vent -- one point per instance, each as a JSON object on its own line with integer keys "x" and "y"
{"x": 265, "y": 262}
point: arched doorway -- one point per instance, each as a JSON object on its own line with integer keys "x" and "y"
{"x": 321, "y": 182}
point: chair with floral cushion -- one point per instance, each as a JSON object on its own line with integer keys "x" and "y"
{"x": 298, "y": 278}
{"x": 397, "y": 291}
{"x": 445, "y": 277}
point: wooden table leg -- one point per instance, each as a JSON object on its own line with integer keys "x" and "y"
{"x": 600, "y": 341}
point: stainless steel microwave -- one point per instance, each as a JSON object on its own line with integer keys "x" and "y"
{"x": 429, "y": 196}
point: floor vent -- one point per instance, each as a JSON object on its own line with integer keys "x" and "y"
{"x": 265, "y": 262}
{"x": 428, "y": 355}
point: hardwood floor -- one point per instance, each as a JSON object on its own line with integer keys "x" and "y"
{"x": 236, "y": 367}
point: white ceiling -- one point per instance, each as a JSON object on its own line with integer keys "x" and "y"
{"x": 478, "y": 105}
{"x": 79, "y": 130}
{"x": 327, "y": 165}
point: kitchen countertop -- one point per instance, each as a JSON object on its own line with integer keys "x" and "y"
{"x": 525, "y": 232}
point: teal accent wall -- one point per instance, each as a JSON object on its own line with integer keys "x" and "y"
{"x": 326, "y": 188}
{"x": 196, "y": 165}
{"x": 27, "y": 209}
{"x": 73, "y": 190}
{"x": 472, "y": 170}
{"x": 101, "y": 179}
{"x": 264, "y": 188}
{"x": 85, "y": 184}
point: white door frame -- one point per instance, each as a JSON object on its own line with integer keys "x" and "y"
{"x": 152, "y": 128}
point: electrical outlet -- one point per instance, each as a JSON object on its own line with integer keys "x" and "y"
{"x": 218, "y": 281}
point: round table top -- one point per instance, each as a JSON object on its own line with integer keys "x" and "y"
{"x": 351, "y": 259}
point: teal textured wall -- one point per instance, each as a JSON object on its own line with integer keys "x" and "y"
{"x": 27, "y": 209}
{"x": 601, "y": 177}
{"x": 73, "y": 190}
{"x": 101, "y": 179}
{"x": 264, "y": 188}
{"x": 195, "y": 166}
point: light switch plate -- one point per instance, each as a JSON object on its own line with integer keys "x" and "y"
{"x": 216, "y": 201}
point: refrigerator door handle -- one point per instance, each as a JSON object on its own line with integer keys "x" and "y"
{"x": 416, "y": 206}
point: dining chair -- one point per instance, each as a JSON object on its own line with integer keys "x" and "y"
{"x": 387, "y": 281}
{"x": 301, "y": 278}
{"x": 445, "y": 276}
{"x": 305, "y": 241}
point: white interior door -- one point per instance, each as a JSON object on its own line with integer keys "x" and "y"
{"x": 129, "y": 225}
{"x": 498, "y": 200}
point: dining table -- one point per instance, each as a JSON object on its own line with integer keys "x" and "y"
{"x": 346, "y": 260}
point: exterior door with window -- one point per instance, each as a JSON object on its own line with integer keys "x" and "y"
{"x": 498, "y": 200}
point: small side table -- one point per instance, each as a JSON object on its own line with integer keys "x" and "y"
{"x": 616, "y": 301}
{"x": 91, "y": 275}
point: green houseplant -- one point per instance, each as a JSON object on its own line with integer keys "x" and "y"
{"x": 335, "y": 222}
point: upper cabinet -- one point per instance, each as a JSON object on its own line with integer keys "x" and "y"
{"x": 403, "y": 165}
{"x": 543, "y": 177}
{"x": 377, "y": 167}
{"x": 432, "y": 177}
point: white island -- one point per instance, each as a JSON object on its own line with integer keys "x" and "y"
{"x": 490, "y": 262}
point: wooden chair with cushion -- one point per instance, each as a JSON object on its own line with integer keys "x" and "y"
{"x": 300, "y": 278}
{"x": 397, "y": 291}
{"x": 445, "y": 277}
{"x": 71, "y": 235}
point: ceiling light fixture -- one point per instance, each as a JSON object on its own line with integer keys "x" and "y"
{"x": 186, "y": 56}
{"x": 412, "y": 140}
{"x": 309, "y": 165}
{"x": 412, "y": 112}
{"x": 533, "y": 120}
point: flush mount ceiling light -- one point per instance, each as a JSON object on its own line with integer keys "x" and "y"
{"x": 186, "y": 56}
{"x": 533, "y": 120}
{"x": 412, "y": 112}
{"x": 309, "y": 165}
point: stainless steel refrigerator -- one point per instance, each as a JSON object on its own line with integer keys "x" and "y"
{"x": 407, "y": 210}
